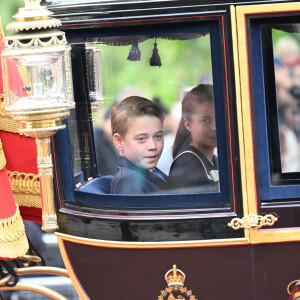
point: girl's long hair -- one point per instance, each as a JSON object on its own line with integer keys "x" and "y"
{"x": 199, "y": 94}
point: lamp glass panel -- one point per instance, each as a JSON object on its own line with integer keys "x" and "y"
{"x": 35, "y": 81}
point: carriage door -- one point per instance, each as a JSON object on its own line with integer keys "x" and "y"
{"x": 268, "y": 43}
{"x": 158, "y": 52}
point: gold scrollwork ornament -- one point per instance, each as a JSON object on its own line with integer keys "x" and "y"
{"x": 175, "y": 279}
{"x": 253, "y": 221}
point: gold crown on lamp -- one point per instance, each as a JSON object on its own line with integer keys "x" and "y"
{"x": 175, "y": 277}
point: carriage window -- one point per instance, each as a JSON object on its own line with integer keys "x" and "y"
{"x": 151, "y": 119}
{"x": 287, "y": 78}
{"x": 276, "y": 69}
{"x": 158, "y": 91}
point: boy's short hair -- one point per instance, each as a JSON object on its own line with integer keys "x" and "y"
{"x": 132, "y": 107}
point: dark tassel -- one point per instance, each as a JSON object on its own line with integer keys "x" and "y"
{"x": 135, "y": 53}
{"x": 155, "y": 58}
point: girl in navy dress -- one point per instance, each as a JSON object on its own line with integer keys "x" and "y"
{"x": 194, "y": 164}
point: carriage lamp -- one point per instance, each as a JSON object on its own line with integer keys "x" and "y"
{"x": 38, "y": 88}
{"x": 93, "y": 60}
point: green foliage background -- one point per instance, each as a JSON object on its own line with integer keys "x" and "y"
{"x": 8, "y": 8}
{"x": 278, "y": 34}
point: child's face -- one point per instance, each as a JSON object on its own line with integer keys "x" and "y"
{"x": 143, "y": 143}
{"x": 202, "y": 126}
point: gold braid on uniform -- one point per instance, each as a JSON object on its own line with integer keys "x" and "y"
{"x": 26, "y": 189}
{"x": 6, "y": 122}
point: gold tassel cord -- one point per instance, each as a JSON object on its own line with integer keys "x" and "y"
{"x": 26, "y": 189}
{"x": 13, "y": 241}
{"x": 24, "y": 182}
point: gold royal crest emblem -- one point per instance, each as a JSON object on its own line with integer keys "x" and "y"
{"x": 176, "y": 290}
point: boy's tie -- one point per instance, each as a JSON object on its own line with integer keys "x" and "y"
{"x": 159, "y": 175}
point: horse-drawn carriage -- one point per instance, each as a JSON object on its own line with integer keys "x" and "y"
{"x": 240, "y": 241}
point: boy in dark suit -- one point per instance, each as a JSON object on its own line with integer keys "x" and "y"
{"x": 137, "y": 127}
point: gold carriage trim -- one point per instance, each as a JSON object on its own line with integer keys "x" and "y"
{"x": 6, "y": 122}
{"x": 253, "y": 221}
{"x": 26, "y": 189}
{"x": 13, "y": 240}
{"x": 2, "y": 157}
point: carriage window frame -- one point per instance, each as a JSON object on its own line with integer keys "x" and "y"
{"x": 186, "y": 204}
{"x": 266, "y": 115}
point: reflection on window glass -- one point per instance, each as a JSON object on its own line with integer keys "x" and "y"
{"x": 74, "y": 140}
{"x": 155, "y": 132}
{"x": 287, "y": 77}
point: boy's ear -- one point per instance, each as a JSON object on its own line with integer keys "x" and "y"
{"x": 118, "y": 142}
{"x": 187, "y": 124}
